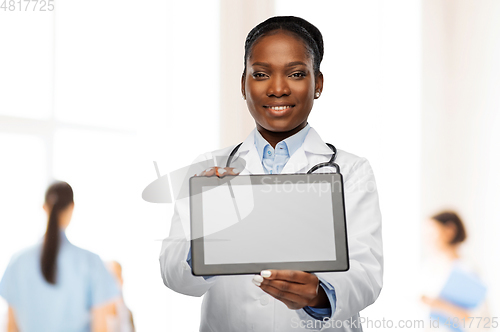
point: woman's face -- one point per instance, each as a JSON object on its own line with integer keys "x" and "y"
{"x": 279, "y": 84}
{"x": 439, "y": 235}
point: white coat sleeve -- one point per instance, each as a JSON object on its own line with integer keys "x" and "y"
{"x": 175, "y": 270}
{"x": 360, "y": 286}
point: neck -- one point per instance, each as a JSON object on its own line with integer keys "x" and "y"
{"x": 273, "y": 137}
{"x": 451, "y": 252}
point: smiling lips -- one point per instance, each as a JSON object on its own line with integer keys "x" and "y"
{"x": 279, "y": 110}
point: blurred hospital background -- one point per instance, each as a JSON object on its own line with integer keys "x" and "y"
{"x": 95, "y": 91}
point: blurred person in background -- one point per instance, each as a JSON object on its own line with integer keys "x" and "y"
{"x": 54, "y": 285}
{"x": 453, "y": 290}
{"x": 122, "y": 320}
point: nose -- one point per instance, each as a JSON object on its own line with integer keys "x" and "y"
{"x": 278, "y": 87}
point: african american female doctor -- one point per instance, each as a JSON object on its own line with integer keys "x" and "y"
{"x": 280, "y": 81}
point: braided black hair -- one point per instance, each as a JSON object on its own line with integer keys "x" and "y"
{"x": 304, "y": 30}
{"x": 57, "y": 198}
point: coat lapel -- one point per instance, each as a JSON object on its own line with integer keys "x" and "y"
{"x": 297, "y": 163}
{"x": 248, "y": 152}
{"x": 312, "y": 152}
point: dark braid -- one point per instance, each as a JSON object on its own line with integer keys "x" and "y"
{"x": 57, "y": 198}
{"x": 304, "y": 30}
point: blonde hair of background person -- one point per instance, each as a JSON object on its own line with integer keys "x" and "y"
{"x": 122, "y": 319}
{"x": 54, "y": 285}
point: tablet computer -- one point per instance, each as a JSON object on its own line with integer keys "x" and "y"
{"x": 248, "y": 223}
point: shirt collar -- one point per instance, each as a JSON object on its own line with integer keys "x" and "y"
{"x": 63, "y": 237}
{"x": 293, "y": 142}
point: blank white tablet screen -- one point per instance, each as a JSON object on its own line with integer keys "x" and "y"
{"x": 286, "y": 222}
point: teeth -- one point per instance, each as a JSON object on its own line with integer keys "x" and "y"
{"x": 279, "y": 108}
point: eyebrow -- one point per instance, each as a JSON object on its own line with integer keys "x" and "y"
{"x": 263, "y": 64}
{"x": 291, "y": 64}
{"x": 296, "y": 63}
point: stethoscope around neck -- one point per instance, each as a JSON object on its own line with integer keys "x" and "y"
{"x": 330, "y": 163}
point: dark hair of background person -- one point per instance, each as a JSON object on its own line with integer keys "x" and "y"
{"x": 57, "y": 198}
{"x": 304, "y": 30}
{"x": 451, "y": 218}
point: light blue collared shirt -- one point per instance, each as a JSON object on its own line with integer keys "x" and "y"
{"x": 273, "y": 161}
{"x": 82, "y": 282}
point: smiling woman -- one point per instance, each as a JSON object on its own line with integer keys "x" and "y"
{"x": 281, "y": 76}
{"x": 280, "y": 81}
{"x": 280, "y": 91}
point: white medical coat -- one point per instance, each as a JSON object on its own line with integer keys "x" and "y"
{"x": 234, "y": 303}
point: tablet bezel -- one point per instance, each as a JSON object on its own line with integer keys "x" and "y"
{"x": 199, "y": 268}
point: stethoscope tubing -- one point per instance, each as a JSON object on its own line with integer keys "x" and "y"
{"x": 330, "y": 163}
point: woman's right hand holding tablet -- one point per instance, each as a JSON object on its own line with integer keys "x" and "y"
{"x": 219, "y": 171}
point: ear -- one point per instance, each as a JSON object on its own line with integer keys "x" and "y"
{"x": 243, "y": 86}
{"x": 45, "y": 208}
{"x": 451, "y": 231}
{"x": 318, "y": 86}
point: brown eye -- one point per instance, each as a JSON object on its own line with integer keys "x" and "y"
{"x": 298, "y": 74}
{"x": 259, "y": 75}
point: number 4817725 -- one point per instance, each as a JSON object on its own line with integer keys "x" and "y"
{"x": 25, "y": 5}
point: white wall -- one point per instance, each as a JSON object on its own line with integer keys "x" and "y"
{"x": 237, "y": 19}
{"x": 460, "y": 124}
{"x": 92, "y": 94}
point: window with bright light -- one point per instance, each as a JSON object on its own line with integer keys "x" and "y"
{"x": 92, "y": 94}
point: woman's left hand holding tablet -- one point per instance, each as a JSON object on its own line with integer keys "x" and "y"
{"x": 219, "y": 171}
{"x": 296, "y": 289}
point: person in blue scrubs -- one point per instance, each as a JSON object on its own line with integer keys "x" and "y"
{"x": 54, "y": 285}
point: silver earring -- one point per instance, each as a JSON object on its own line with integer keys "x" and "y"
{"x": 243, "y": 97}
{"x": 317, "y": 94}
